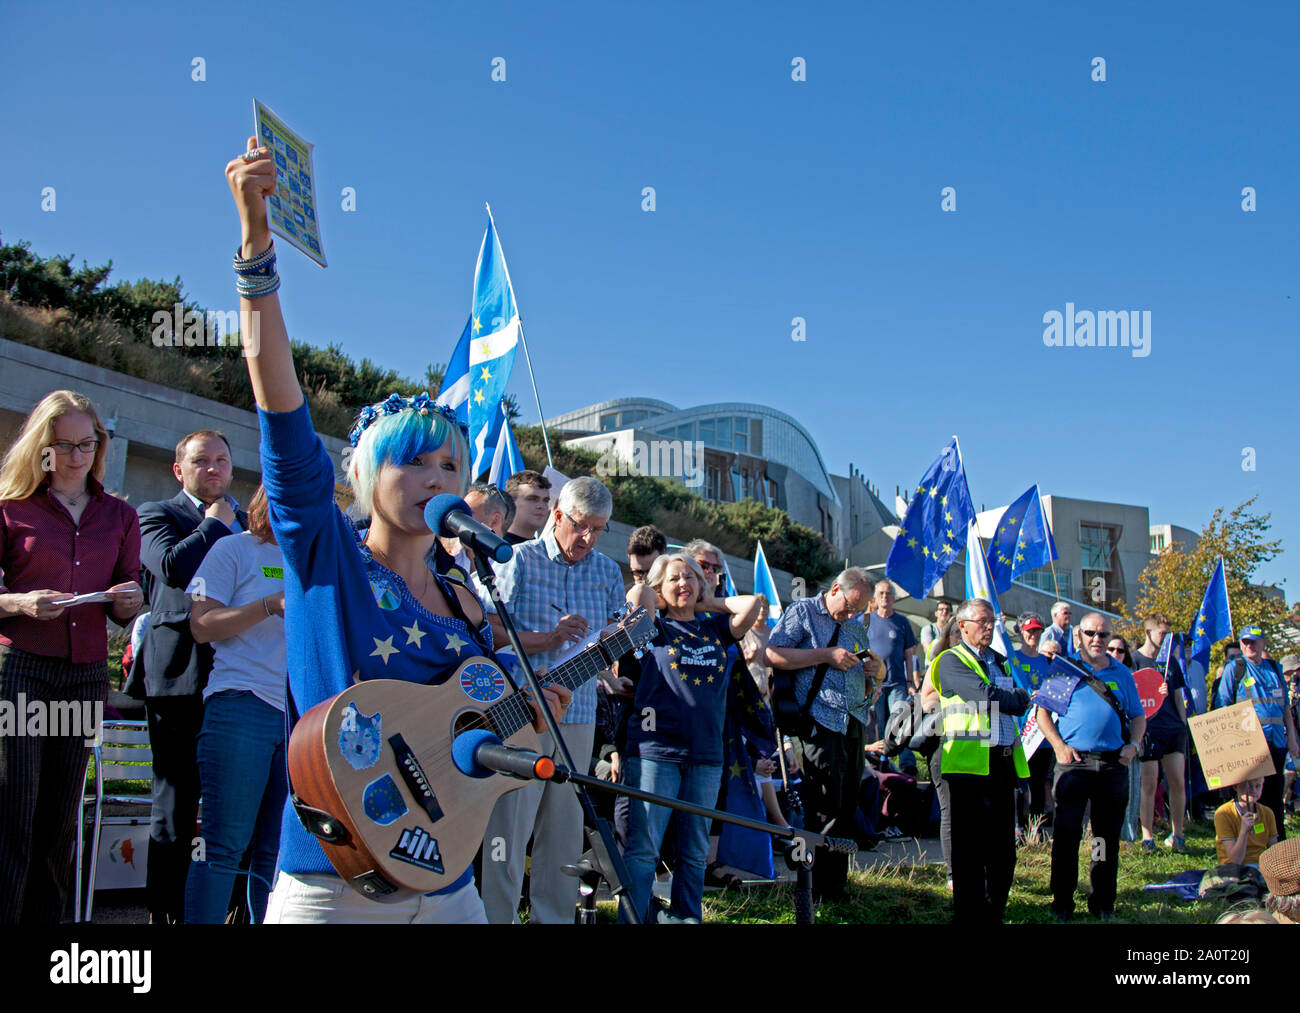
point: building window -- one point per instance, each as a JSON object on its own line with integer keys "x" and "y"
{"x": 713, "y": 483}
{"x": 1041, "y": 579}
{"x": 1102, "y": 580}
{"x": 724, "y": 433}
{"x": 706, "y": 432}
{"x": 1157, "y": 543}
{"x": 741, "y": 438}
{"x": 609, "y": 422}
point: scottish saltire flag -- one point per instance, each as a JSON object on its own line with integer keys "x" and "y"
{"x": 506, "y": 459}
{"x": 455, "y": 382}
{"x": 933, "y": 532}
{"x": 1022, "y": 542}
{"x": 764, "y": 584}
{"x": 494, "y": 334}
{"x": 980, "y": 585}
{"x": 1213, "y": 623}
{"x": 728, "y": 583}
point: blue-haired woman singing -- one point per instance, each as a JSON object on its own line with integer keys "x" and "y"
{"x": 354, "y": 608}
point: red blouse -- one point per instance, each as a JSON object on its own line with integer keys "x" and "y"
{"x": 40, "y": 547}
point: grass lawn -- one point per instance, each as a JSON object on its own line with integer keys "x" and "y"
{"x": 918, "y": 894}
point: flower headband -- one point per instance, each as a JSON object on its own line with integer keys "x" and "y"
{"x": 395, "y": 405}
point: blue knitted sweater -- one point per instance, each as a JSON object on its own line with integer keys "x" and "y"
{"x": 346, "y": 616}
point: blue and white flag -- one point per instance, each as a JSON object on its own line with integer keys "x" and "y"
{"x": 764, "y": 584}
{"x": 1022, "y": 542}
{"x": 933, "y": 532}
{"x": 506, "y": 460}
{"x": 455, "y": 381}
{"x": 980, "y": 585}
{"x": 494, "y": 335}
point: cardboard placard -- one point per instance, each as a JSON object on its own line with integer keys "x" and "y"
{"x": 1231, "y": 745}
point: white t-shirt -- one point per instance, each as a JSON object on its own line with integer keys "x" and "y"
{"x": 238, "y": 570}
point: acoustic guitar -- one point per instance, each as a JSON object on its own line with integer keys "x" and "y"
{"x": 395, "y": 814}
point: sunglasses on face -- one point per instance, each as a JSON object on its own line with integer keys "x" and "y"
{"x": 1114, "y": 650}
{"x": 1095, "y": 633}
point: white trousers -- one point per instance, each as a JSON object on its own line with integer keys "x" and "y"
{"x": 324, "y": 900}
{"x": 552, "y": 816}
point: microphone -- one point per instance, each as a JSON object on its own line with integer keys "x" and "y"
{"x": 479, "y": 753}
{"x": 450, "y": 517}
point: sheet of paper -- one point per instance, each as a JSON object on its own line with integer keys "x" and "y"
{"x": 90, "y": 598}
{"x": 292, "y": 208}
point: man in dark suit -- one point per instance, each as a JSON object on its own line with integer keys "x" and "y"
{"x": 175, "y": 535}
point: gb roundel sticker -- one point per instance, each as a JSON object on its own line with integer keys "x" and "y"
{"x": 482, "y": 682}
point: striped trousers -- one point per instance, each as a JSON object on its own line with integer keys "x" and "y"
{"x": 42, "y": 779}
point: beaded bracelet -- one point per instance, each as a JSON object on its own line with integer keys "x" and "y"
{"x": 256, "y": 276}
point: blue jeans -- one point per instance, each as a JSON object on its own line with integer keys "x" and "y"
{"x": 646, "y": 823}
{"x": 891, "y": 697}
{"x": 241, "y": 767}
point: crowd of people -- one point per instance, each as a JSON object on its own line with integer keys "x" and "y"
{"x": 244, "y": 620}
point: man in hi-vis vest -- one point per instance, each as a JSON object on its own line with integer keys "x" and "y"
{"x": 981, "y": 759}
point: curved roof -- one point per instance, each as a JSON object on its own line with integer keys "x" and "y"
{"x": 805, "y": 459}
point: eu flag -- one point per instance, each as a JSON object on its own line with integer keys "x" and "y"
{"x": 933, "y": 533}
{"x": 1214, "y": 618}
{"x": 1022, "y": 542}
{"x": 494, "y": 335}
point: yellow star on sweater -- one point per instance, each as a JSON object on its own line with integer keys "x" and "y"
{"x": 414, "y": 634}
{"x": 454, "y": 643}
{"x": 383, "y": 648}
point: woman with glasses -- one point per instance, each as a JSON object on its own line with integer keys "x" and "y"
{"x": 61, "y": 535}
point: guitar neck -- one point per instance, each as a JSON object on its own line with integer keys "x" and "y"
{"x": 511, "y": 714}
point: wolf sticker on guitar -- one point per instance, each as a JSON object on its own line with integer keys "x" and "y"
{"x": 406, "y": 772}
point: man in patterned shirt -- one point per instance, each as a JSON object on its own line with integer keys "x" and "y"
{"x": 558, "y": 574}
{"x": 833, "y": 759}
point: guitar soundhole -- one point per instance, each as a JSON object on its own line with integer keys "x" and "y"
{"x": 468, "y": 721}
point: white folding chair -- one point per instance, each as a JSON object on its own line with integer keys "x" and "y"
{"x": 124, "y": 754}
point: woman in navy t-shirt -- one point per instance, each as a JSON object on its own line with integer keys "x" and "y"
{"x": 674, "y": 742}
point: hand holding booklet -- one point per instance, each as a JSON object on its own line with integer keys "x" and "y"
{"x": 89, "y": 598}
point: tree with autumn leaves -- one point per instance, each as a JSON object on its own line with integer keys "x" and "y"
{"x": 1175, "y": 580}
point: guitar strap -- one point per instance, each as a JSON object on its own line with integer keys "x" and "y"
{"x": 316, "y": 822}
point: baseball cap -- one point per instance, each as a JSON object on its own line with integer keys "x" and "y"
{"x": 1290, "y": 662}
{"x": 1031, "y": 621}
{"x": 1250, "y": 633}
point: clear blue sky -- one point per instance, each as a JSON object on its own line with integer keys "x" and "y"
{"x": 775, "y": 199}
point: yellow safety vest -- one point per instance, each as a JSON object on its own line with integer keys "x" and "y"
{"x": 966, "y": 726}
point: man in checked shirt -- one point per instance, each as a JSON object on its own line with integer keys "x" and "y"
{"x": 558, "y": 575}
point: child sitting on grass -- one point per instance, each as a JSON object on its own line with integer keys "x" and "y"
{"x": 1243, "y": 828}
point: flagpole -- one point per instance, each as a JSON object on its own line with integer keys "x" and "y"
{"x": 1042, "y": 512}
{"x": 537, "y": 397}
{"x": 541, "y": 417}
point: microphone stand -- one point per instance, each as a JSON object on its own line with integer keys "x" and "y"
{"x": 606, "y": 860}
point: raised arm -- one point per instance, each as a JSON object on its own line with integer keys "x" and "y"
{"x": 266, "y": 341}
